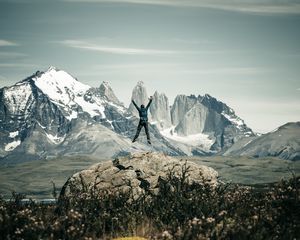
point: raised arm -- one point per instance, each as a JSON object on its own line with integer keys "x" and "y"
{"x": 135, "y": 105}
{"x": 150, "y": 101}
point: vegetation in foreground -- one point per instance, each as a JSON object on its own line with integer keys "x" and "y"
{"x": 178, "y": 211}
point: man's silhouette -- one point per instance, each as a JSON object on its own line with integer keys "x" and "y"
{"x": 143, "y": 113}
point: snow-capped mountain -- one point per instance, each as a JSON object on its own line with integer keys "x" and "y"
{"x": 49, "y": 113}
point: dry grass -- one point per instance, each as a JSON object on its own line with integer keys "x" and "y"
{"x": 179, "y": 211}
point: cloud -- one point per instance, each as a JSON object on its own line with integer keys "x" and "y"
{"x": 85, "y": 45}
{"x": 298, "y": 89}
{"x": 171, "y": 69}
{"x": 5, "y": 43}
{"x": 113, "y": 50}
{"x": 246, "y": 6}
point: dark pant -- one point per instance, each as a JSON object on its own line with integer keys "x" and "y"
{"x": 142, "y": 124}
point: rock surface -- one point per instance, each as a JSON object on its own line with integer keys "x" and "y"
{"x": 140, "y": 96}
{"x": 283, "y": 142}
{"x": 140, "y": 171}
{"x": 106, "y": 91}
{"x": 160, "y": 111}
{"x": 206, "y": 115}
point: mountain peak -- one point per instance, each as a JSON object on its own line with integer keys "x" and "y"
{"x": 206, "y": 95}
{"x": 68, "y": 93}
{"x": 140, "y": 84}
{"x": 105, "y": 84}
{"x": 55, "y": 78}
{"x": 107, "y": 92}
{"x": 139, "y": 95}
{"x": 52, "y": 68}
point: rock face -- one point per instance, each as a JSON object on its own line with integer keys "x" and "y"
{"x": 284, "y": 143}
{"x": 196, "y": 125}
{"x": 140, "y": 96}
{"x": 106, "y": 91}
{"x": 205, "y": 120}
{"x": 139, "y": 172}
{"x": 160, "y": 111}
{"x": 182, "y": 104}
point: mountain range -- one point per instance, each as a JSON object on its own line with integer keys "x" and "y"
{"x": 51, "y": 113}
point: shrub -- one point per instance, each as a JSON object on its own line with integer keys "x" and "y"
{"x": 179, "y": 210}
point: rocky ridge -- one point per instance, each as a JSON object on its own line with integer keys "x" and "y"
{"x": 196, "y": 125}
{"x": 283, "y": 142}
{"x": 51, "y": 113}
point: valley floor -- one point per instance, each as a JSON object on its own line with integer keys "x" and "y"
{"x": 250, "y": 171}
{"x": 35, "y": 178}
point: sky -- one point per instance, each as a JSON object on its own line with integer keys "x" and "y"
{"x": 244, "y": 53}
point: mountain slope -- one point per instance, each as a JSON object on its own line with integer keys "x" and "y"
{"x": 42, "y": 115}
{"x": 284, "y": 143}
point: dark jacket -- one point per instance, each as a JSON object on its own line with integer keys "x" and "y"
{"x": 143, "y": 112}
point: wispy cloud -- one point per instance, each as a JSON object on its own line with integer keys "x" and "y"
{"x": 246, "y": 6}
{"x": 100, "y": 47}
{"x": 173, "y": 69}
{"x": 113, "y": 50}
{"x": 5, "y": 43}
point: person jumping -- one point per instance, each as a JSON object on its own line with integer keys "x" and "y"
{"x": 143, "y": 113}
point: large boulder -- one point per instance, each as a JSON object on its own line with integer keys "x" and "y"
{"x": 138, "y": 172}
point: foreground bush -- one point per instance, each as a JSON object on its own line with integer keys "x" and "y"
{"x": 178, "y": 211}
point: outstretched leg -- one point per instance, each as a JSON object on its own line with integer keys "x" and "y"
{"x": 147, "y": 132}
{"x": 137, "y": 131}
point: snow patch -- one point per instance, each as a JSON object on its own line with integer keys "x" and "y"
{"x": 73, "y": 115}
{"x": 13, "y": 134}
{"x": 43, "y": 127}
{"x": 110, "y": 122}
{"x": 275, "y": 130}
{"x": 55, "y": 139}
{"x": 17, "y": 98}
{"x": 119, "y": 108}
{"x": 191, "y": 140}
{"x": 248, "y": 134}
{"x": 234, "y": 119}
{"x": 67, "y": 92}
{"x": 248, "y": 142}
{"x": 11, "y": 146}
